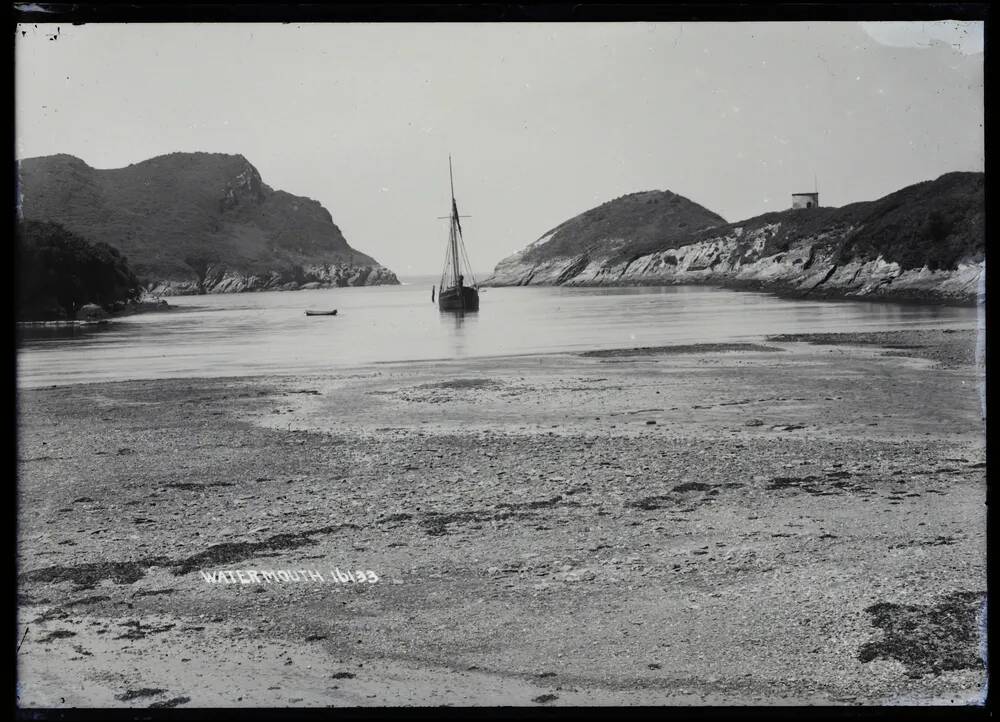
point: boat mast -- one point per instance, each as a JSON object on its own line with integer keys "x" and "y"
{"x": 454, "y": 227}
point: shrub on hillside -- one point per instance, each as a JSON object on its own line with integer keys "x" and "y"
{"x": 58, "y": 272}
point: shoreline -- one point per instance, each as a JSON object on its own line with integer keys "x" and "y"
{"x": 129, "y": 309}
{"x": 864, "y": 339}
{"x": 253, "y": 283}
{"x": 780, "y": 291}
{"x": 707, "y": 526}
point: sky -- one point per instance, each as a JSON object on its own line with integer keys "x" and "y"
{"x": 543, "y": 120}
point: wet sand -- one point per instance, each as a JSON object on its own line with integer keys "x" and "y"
{"x": 791, "y": 522}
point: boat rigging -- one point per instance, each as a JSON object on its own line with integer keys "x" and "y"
{"x": 455, "y": 293}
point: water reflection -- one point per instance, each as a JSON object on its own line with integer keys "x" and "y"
{"x": 459, "y": 325}
{"x": 27, "y": 334}
{"x": 268, "y": 333}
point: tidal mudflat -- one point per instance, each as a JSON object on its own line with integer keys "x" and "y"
{"x": 799, "y": 520}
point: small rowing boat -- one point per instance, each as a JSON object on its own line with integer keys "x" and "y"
{"x": 322, "y": 313}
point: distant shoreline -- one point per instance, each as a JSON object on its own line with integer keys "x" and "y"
{"x": 792, "y": 294}
{"x": 915, "y": 298}
{"x": 131, "y": 308}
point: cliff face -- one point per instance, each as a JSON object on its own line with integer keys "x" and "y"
{"x": 219, "y": 279}
{"x": 923, "y": 243}
{"x": 197, "y": 223}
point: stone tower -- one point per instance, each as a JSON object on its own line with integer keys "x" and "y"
{"x": 805, "y": 200}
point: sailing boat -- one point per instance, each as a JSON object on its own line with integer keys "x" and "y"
{"x": 455, "y": 293}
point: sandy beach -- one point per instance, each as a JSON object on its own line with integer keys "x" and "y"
{"x": 791, "y": 521}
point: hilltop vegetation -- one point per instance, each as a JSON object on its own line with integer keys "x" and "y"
{"x": 925, "y": 242}
{"x": 935, "y": 224}
{"x": 637, "y": 220}
{"x": 184, "y": 216}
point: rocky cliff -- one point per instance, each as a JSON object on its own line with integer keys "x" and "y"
{"x": 197, "y": 223}
{"x": 219, "y": 278}
{"x": 923, "y": 243}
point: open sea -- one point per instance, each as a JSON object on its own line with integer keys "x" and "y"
{"x": 268, "y": 333}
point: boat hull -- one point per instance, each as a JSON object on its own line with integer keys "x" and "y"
{"x": 453, "y": 299}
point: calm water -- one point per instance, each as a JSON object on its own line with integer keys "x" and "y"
{"x": 263, "y": 333}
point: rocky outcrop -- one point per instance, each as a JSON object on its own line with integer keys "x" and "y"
{"x": 197, "y": 223}
{"x": 91, "y": 312}
{"x": 924, "y": 243}
{"x": 806, "y": 269}
{"x": 218, "y": 279}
